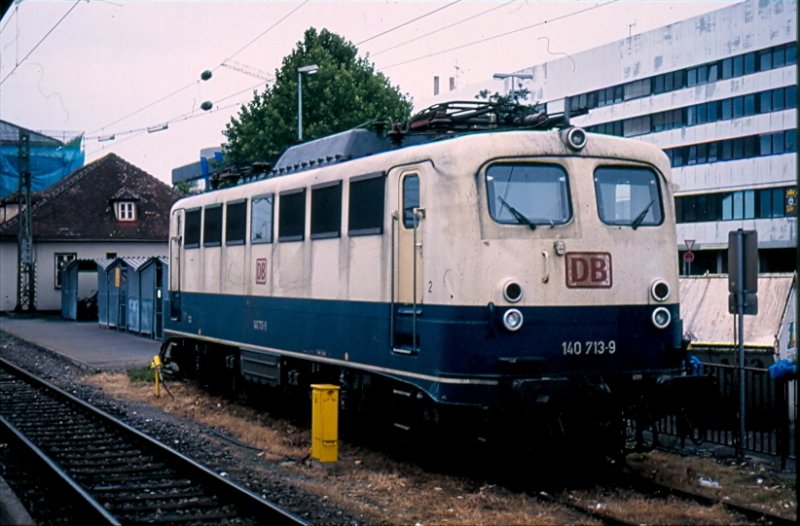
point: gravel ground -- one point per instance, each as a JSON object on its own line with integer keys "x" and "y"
{"x": 269, "y": 456}
{"x": 194, "y": 440}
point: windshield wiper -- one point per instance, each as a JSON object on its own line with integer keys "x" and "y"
{"x": 640, "y": 218}
{"x": 521, "y": 219}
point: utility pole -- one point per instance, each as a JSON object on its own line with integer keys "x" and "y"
{"x": 26, "y": 265}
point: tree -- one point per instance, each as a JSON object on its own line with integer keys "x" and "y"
{"x": 513, "y": 97}
{"x": 346, "y": 92}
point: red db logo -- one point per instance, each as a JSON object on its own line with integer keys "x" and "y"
{"x": 261, "y": 271}
{"x": 588, "y": 270}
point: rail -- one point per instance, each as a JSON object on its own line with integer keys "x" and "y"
{"x": 134, "y": 477}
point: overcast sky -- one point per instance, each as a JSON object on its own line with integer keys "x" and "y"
{"x": 113, "y": 67}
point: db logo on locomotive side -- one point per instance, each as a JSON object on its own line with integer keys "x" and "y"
{"x": 588, "y": 270}
{"x": 261, "y": 271}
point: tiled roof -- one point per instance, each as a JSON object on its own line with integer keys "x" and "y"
{"x": 80, "y": 207}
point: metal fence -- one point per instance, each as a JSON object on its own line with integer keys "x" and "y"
{"x": 769, "y": 416}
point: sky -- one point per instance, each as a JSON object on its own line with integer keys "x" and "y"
{"x": 124, "y": 69}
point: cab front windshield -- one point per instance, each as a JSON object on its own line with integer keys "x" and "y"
{"x": 628, "y": 196}
{"x": 528, "y": 194}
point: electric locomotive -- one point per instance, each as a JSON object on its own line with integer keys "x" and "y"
{"x": 483, "y": 268}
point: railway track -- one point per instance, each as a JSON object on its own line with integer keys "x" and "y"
{"x": 99, "y": 470}
{"x": 611, "y": 511}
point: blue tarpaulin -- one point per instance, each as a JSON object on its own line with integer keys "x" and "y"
{"x": 49, "y": 163}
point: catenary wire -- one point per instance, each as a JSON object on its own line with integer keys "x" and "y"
{"x": 439, "y": 30}
{"x": 188, "y": 115}
{"x": 429, "y": 13}
{"x": 499, "y": 35}
{"x": 190, "y": 84}
{"x": 19, "y": 63}
{"x": 182, "y": 116}
{"x": 136, "y": 133}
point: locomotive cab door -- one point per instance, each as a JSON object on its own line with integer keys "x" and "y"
{"x": 408, "y": 275}
{"x": 175, "y": 259}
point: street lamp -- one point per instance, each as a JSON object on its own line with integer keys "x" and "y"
{"x": 512, "y": 76}
{"x": 310, "y": 69}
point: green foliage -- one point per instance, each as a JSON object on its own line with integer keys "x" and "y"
{"x": 183, "y": 187}
{"x": 344, "y": 93}
{"x": 142, "y": 375}
{"x": 512, "y": 97}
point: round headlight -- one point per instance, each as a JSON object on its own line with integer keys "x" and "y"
{"x": 576, "y": 138}
{"x": 661, "y": 317}
{"x": 512, "y": 291}
{"x": 512, "y": 320}
{"x": 660, "y": 290}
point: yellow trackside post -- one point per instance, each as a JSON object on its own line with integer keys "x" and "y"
{"x": 156, "y": 365}
{"x": 325, "y": 422}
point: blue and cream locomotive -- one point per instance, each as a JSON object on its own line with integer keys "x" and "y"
{"x": 479, "y": 268}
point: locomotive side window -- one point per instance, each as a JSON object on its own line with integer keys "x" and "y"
{"x": 365, "y": 216}
{"x": 410, "y": 200}
{"x": 326, "y": 210}
{"x": 235, "y": 222}
{"x": 628, "y": 196}
{"x": 261, "y": 215}
{"x": 212, "y": 226}
{"x": 191, "y": 235}
{"x": 528, "y": 194}
{"x": 292, "y": 215}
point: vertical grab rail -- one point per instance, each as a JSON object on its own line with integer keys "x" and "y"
{"x": 419, "y": 213}
{"x": 393, "y": 277}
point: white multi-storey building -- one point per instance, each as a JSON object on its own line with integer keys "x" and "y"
{"x": 718, "y": 93}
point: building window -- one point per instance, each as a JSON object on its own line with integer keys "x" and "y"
{"x": 126, "y": 210}
{"x": 326, "y": 211}
{"x": 740, "y": 65}
{"x": 746, "y": 204}
{"x": 62, "y": 259}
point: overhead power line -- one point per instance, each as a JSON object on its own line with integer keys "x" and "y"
{"x": 19, "y": 63}
{"x": 190, "y": 84}
{"x": 132, "y": 134}
{"x": 487, "y": 39}
{"x": 109, "y": 136}
{"x": 287, "y": 15}
{"x": 439, "y": 30}
{"x": 429, "y": 13}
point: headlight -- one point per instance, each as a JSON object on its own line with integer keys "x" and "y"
{"x": 661, "y": 317}
{"x": 512, "y": 320}
{"x": 660, "y": 290}
{"x": 512, "y": 291}
{"x": 575, "y": 138}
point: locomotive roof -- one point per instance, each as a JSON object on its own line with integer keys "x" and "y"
{"x": 438, "y": 122}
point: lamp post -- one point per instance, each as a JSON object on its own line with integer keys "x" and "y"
{"x": 512, "y": 76}
{"x": 310, "y": 69}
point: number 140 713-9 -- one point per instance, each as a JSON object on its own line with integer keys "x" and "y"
{"x": 589, "y": 347}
